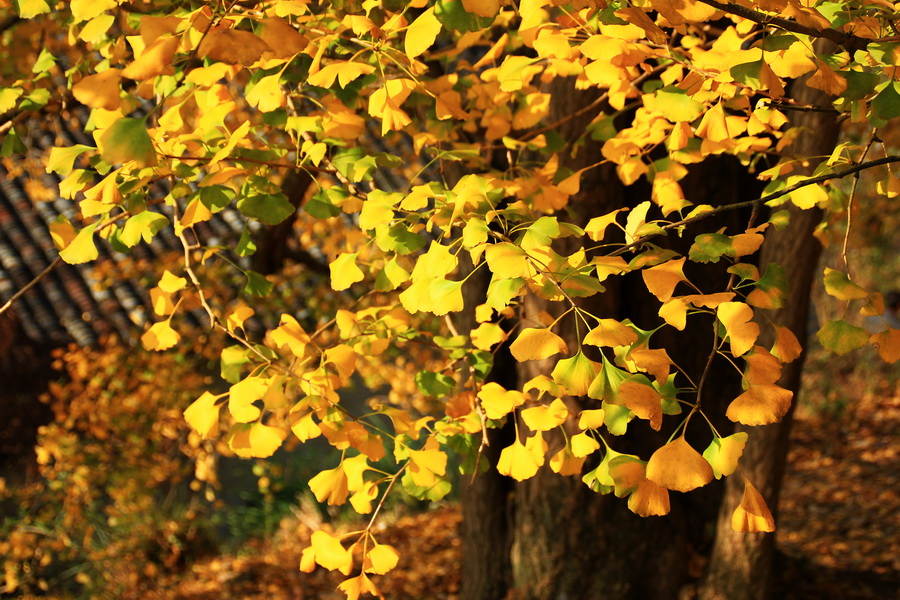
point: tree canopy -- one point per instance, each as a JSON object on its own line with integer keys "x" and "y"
{"x": 426, "y": 128}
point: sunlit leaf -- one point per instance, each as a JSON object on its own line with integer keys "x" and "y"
{"x": 345, "y": 272}
{"x": 752, "y": 515}
{"x": 760, "y": 405}
{"x": 545, "y": 418}
{"x": 499, "y": 402}
{"x": 330, "y": 553}
{"x": 519, "y": 462}
{"x": 127, "y": 139}
{"x": 380, "y": 559}
{"x": 160, "y": 336}
{"x": 723, "y": 453}
{"x": 677, "y": 466}
{"x": 741, "y": 331}
{"x": 575, "y": 374}
{"x": 82, "y": 248}
{"x": 421, "y": 33}
{"x": 537, "y": 344}
{"x": 203, "y": 416}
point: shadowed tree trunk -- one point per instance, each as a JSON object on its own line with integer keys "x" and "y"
{"x": 741, "y": 564}
{"x": 567, "y": 541}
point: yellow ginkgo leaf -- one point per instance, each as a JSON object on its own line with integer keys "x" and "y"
{"x": 497, "y": 402}
{"x": 482, "y": 8}
{"x": 425, "y": 466}
{"x": 838, "y": 285}
{"x": 723, "y": 453}
{"x": 662, "y": 279}
{"x": 304, "y": 426}
{"x": 100, "y": 90}
{"x": 282, "y": 37}
{"x": 674, "y": 312}
{"x": 649, "y": 499}
{"x": 357, "y": 586}
{"x": 610, "y": 332}
{"x": 160, "y": 336}
{"x": 888, "y": 344}
{"x": 677, "y": 466}
{"x": 654, "y": 361}
{"x": 537, "y": 344}
{"x": 155, "y": 60}
{"x": 565, "y": 463}
{"x": 575, "y": 374}
{"x": 362, "y": 500}
{"x": 591, "y": 419}
{"x": 583, "y": 444}
{"x": 762, "y": 367}
{"x": 171, "y": 283}
{"x": 161, "y": 302}
{"x": 642, "y": 399}
{"x": 737, "y": 318}
{"x": 545, "y": 418}
{"x": 760, "y": 405}
{"x": 421, "y": 33}
{"x": 330, "y": 553}
{"x": 266, "y": 94}
{"x": 203, "y": 415}
{"x": 752, "y": 515}
{"x": 787, "y": 348}
{"x": 385, "y": 104}
{"x": 232, "y": 46}
{"x": 291, "y": 335}
{"x": 380, "y": 559}
{"x": 487, "y": 335}
{"x": 236, "y": 319}
{"x": 243, "y": 396}
{"x": 519, "y": 462}
{"x": 343, "y": 71}
{"x": 255, "y": 440}
{"x": 330, "y": 486}
{"x": 508, "y": 261}
{"x": 625, "y": 472}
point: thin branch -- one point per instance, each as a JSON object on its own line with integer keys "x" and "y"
{"x": 872, "y": 140}
{"x": 256, "y": 161}
{"x": 56, "y": 262}
{"x": 759, "y": 201}
{"x": 847, "y": 40}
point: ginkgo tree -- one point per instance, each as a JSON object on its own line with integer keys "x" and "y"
{"x": 487, "y": 245}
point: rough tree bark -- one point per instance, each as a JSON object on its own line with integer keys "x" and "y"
{"x": 741, "y": 566}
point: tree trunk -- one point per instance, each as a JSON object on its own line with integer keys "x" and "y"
{"x": 741, "y": 564}
{"x": 565, "y": 540}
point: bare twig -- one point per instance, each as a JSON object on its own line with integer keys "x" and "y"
{"x": 256, "y": 161}
{"x": 56, "y": 262}
{"x": 862, "y": 158}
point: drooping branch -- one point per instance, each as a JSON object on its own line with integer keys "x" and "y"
{"x": 847, "y": 40}
{"x": 759, "y": 201}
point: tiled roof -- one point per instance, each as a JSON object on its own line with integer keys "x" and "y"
{"x": 71, "y": 303}
{"x": 77, "y": 302}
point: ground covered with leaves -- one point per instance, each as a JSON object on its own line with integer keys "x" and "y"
{"x": 838, "y": 534}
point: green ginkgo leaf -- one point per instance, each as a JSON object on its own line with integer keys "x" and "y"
{"x": 127, "y": 139}
{"x": 841, "y": 337}
{"x": 142, "y": 226}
